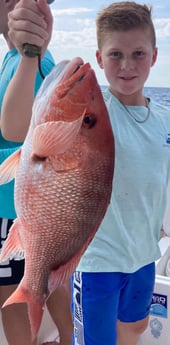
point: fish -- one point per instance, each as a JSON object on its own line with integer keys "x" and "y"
{"x": 63, "y": 183}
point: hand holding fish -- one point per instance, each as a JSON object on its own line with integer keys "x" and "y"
{"x": 30, "y": 22}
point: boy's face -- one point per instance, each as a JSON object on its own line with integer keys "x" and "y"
{"x": 126, "y": 57}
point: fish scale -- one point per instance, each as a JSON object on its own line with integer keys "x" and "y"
{"x": 63, "y": 183}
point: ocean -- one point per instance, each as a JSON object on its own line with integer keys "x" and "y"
{"x": 159, "y": 94}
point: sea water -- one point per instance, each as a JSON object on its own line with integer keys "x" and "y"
{"x": 159, "y": 94}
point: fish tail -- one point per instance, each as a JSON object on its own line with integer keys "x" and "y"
{"x": 35, "y": 309}
{"x": 35, "y": 312}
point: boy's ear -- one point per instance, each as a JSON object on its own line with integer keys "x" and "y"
{"x": 154, "y": 57}
{"x": 99, "y": 58}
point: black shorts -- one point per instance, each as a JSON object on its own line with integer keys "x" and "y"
{"x": 11, "y": 271}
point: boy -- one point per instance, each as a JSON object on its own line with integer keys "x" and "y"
{"x": 114, "y": 281}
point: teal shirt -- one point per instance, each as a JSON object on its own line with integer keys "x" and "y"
{"x": 8, "y": 68}
{"x": 128, "y": 236}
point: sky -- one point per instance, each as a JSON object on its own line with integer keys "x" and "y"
{"x": 74, "y": 34}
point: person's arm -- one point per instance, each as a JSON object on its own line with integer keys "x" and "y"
{"x": 17, "y": 103}
{"x": 26, "y": 25}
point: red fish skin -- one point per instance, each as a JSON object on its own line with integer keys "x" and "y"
{"x": 62, "y": 186}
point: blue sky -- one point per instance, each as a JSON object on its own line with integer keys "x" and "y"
{"x": 74, "y": 35}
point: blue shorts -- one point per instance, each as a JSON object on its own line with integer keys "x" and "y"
{"x": 100, "y": 299}
{"x": 11, "y": 271}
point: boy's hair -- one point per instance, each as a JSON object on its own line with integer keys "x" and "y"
{"x": 123, "y": 16}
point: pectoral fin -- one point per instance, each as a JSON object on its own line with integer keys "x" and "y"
{"x": 55, "y": 137}
{"x": 9, "y": 167}
{"x": 12, "y": 247}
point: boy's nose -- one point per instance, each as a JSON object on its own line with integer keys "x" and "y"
{"x": 127, "y": 63}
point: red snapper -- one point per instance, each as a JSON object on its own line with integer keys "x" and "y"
{"x": 63, "y": 182}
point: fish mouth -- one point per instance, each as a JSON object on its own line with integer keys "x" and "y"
{"x": 75, "y": 70}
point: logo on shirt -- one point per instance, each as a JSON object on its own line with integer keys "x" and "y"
{"x": 168, "y": 138}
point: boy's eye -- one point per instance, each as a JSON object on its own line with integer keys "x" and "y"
{"x": 116, "y": 54}
{"x": 138, "y": 53}
{"x": 119, "y": 55}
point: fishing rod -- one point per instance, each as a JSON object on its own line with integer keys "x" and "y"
{"x": 31, "y": 50}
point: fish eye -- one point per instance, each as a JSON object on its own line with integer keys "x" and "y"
{"x": 37, "y": 159}
{"x": 89, "y": 120}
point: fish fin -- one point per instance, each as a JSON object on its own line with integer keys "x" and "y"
{"x": 35, "y": 313}
{"x": 12, "y": 247}
{"x": 35, "y": 310}
{"x": 9, "y": 167}
{"x": 63, "y": 273}
{"x": 55, "y": 137}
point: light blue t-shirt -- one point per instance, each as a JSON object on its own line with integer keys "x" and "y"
{"x": 128, "y": 236}
{"x": 8, "y": 68}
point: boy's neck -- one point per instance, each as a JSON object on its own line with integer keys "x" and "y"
{"x": 136, "y": 99}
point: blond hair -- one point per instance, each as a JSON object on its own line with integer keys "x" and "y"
{"x": 123, "y": 16}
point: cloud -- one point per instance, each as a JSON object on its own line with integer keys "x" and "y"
{"x": 2, "y": 41}
{"x": 71, "y": 11}
{"x": 162, "y": 27}
{"x": 3, "y": 49}
{"x": 80, "y": 30}
{"x": 85, "y": 37}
